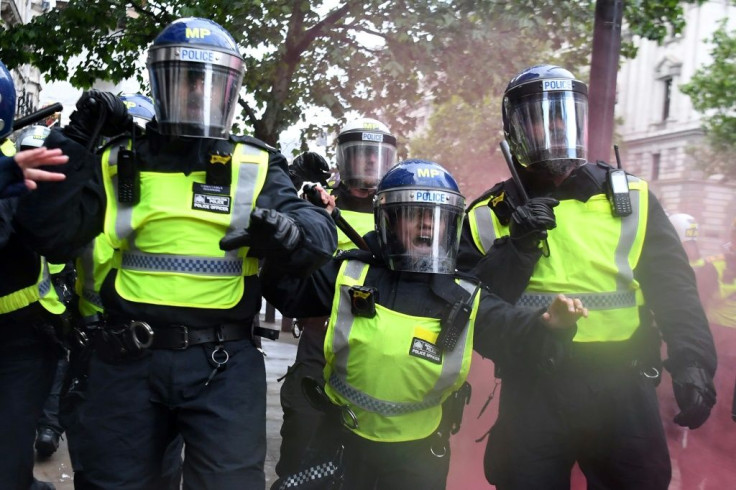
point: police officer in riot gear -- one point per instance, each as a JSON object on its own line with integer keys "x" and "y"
{"x": 594, "y": 404}
{"x": 366, "y": 149}
{"x": 401, "y": 332}
{"x": 29, "y": 311}
{"x": 189, "y": 209}
{"x": 49, "y": 428}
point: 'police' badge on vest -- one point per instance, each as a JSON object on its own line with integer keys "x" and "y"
{"x": 425, "y": 350}
{"x": 213, "y": 198}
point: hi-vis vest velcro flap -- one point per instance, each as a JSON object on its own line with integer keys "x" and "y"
{"x": 592, "y": 257}
{"x": 361, "y": 222}
{"x": 167, "y": 246}
{"x": 387, "y": 369}
{"x": 42, "y": 291}
{"x": 723, "y": 310}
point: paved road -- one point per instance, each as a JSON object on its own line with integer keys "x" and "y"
{"x": 279, "y": 355}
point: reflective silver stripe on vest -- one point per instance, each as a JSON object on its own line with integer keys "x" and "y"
{"x": 592, "y": 301}
{"x": 484, "y": 225}
{"x": 382, "y": 407}
{"x": 44, "y": 285}
{"x": 629, "y": 227}
{"x": 451, "y": 366}
{"x": 210, "y": 266}
{"x": 244, "y": 194}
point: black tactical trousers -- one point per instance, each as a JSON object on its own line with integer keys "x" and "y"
{"x": 301, "y": 420}
{"x": 134, "y": 410}
{"x": 27, "y": 364}
{"x": 50, "y": 414}
{"x": 605, "y": 419}
{"x": 371, "y": 465}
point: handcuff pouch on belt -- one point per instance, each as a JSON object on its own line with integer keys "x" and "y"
{"x": 119, "y": 343}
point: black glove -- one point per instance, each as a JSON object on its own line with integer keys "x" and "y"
{"x": 98, "y": 113}
{"x": 530, "y": 222}
{"x": 269, "y": 233}
{"x": 695, "y": 395}
{"x": 309, "y": 167}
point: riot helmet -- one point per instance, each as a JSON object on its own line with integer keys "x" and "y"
{"x": 7, "y": 101}
{"x": 196, "y": 72}
{"x": 685, "y": 226}
{"x": 366, "y": 149}
{"x": 419, "y": 212}
{"x": 32, "y": 137}
{"x": 139, "y": 107}
{"x": 545, "y": 116}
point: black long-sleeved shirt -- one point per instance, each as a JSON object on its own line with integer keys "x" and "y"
{"x": 663, "y": 272}
{"x": 58, "y": 220}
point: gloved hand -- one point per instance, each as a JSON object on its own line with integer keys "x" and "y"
{"x": 530, "y": 222}
{"x": 97, "y": 113}
{"x": 309, "y": 167}
{"x": 269, "y": 233}
{"x": 695, "y": 395}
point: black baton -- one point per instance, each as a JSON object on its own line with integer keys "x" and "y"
{"x": 34, "y": 117}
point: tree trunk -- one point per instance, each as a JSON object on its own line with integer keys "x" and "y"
{"x": 603, "y": 73}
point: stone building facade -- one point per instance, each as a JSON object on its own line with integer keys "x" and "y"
{"x": 659, "y": 128}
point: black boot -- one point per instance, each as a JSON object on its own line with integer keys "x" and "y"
{"x": 47, "y": 442}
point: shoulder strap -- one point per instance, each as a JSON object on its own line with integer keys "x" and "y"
{"x": 460, "y": 297}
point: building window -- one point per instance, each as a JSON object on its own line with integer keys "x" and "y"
{"x": 667, "y": 98}
{"x": 656, "y": 159}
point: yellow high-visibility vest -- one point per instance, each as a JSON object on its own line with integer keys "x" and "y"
{"x": 387, "y": 369}
{"x": 166, "y": 247}
{"x": 592, "y": 257}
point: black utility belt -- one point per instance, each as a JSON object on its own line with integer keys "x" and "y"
{"x": 180, "y": 337}
{"x": 120, "y": 341}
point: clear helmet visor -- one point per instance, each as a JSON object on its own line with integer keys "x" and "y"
{"x": 548, "y": 126}
{"x": 362, "y": 164}
{"x": 193, "y": 98}
{"x": 417, "y": 236}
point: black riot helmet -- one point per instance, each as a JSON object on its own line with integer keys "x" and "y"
{"x": 545, "y": 116}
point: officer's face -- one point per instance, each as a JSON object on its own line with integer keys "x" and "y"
{"x": 363, "y": 164}
{"x": 416, "y": 228}
{"x": 551, "y": 135}
{"x": 200, "y": 95}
